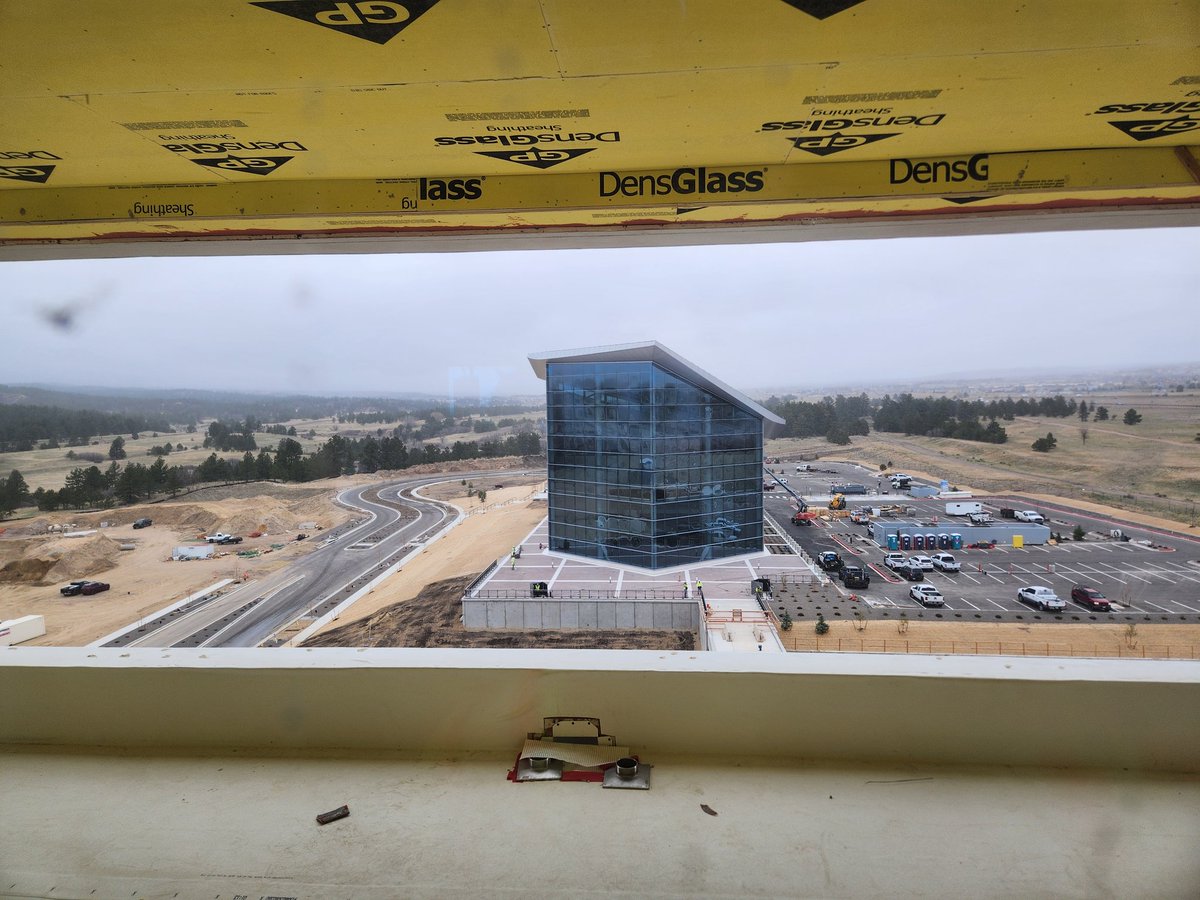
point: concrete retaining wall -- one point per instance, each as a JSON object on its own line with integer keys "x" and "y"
{"x": 676, "y": 615}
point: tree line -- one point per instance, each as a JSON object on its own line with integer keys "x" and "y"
{"x": 838, "y": 418}
{"x": 23, "y": 426}
{"x": 93, "y": 487}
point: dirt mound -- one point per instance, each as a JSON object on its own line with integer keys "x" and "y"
{"x": 12, "y": 548}
{"x": 262, "y": 513}
{"x": 25, "y": 571}
{"x": 432, "y": 619}
{"x": 83, "y": 558}
{"x": 240, "y": 516}
{"x": 29, "y": 526}
{"x": 183, "y": 517}
{"x": 494, "y": 464}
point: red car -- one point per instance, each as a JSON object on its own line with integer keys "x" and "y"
{"x": 94, "y": 587}
{"x": 1091, "y": 598}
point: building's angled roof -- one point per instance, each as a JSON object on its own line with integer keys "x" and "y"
{"x": 654, "y": 352}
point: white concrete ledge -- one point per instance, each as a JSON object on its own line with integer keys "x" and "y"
{"x": 1062, "y": 713}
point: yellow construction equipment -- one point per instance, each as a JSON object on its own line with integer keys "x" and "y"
{"x": 838, "y": 502}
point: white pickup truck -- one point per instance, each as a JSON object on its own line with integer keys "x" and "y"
{"x": 1029, "y": 515}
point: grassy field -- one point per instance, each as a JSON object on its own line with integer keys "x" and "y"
{"x": 48, "y": 468}
{"x": 1152, "y": 467}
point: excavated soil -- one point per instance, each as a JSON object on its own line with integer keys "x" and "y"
{"x": 432, "y": 619}
{"x": 63, "y": 560}
{"x": 25, "y": 571}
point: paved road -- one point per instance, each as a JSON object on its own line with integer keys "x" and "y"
{"x": 347, "y": 558}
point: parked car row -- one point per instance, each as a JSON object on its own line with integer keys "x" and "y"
{"x": 913, "y": 568}
{"x": 944, "y": 562}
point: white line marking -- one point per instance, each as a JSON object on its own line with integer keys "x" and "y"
{"x": 1155, "y": 574}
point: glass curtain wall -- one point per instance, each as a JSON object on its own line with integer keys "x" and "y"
{"x": 647, "y": 469}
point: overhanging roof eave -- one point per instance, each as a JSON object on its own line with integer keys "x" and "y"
{"x": 654, "y": 352}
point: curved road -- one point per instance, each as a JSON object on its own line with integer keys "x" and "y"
{"x": 347, "y": 558}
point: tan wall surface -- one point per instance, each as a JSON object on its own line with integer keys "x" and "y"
{"x": 986, "y": 710}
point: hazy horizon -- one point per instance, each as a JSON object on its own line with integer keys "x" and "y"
{"x": 765, "y": 318}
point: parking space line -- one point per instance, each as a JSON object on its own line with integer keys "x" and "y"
{"x": 965, "y": 575}
{"x": 1083, "y": 547}
{"x": 995, "y": 604}
{"x": 1156, "y": 606}
{"x": 969, "y": 603}
{"x": 1096, "y": 573}
{"x": 1185, "y": 606}
{"x": 1102, "y": 547}
{"x": 1155, "y": 574}
{"x": 1182, "y": 573}
{"x": 1133, "y": 575}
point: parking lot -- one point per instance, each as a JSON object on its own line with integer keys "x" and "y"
{"x": 1153, "y": 577}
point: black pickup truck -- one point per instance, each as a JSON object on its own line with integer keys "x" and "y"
{"x": 854, "y": 577}
{"x": 829, "y": 561}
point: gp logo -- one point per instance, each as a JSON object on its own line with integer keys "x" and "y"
{"x": 251, "y": 165}
{"x": 377, "y": 21}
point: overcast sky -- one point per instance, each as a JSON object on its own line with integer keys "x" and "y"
{"x": 758, "y": 317}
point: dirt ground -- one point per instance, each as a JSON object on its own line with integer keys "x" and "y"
{"x": 1002, "y": 638}
{"x": 491, "y": 530}
{"x": 432, "y": 619}
{"x": 35, "y": 563}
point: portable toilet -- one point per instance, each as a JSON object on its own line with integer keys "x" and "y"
{"x": 918, "y": 541}
{"x": 893, "y": 541}
{"x": 906, "y": 542}
{"x": 956, "y": 541}
{"x": 931, "y": 542}
{"x": 943, "y": 542}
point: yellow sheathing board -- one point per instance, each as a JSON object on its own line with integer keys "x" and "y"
{"x": 314, "y": 109}
{"x": 952, "y": 180}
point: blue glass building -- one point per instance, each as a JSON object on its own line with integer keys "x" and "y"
{"x": 652, "y": 461}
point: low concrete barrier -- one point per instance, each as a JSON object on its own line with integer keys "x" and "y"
{"x": 554, "y": 613}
